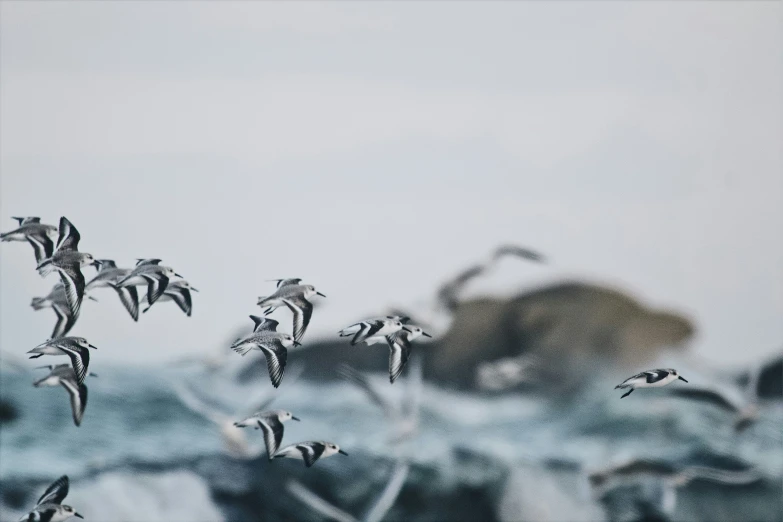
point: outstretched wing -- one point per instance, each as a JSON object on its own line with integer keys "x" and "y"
{"x": 303, "y": 311}
{"x": 655, "y": 375}
{"x": 156, "y": 285}
{"x": 182, "y": 297}
{"x": 399, "y": 352}
{"x": 273, "y": 434}
{"x": 287, "y": 282}
{"x": 367, "y": 329}
{"x": 129, "y": 297}
{"x": 276, "y": 356}
{"x": 73, "y": 282}
{"x": 80, "y": 360}
{"x": 69, "y": 236}
{"x": 64, "y": 321}
{"x": 42, "y": 246}
{"x": 705, "y": 395}
{"x": 56, "y": 492}
{"x": 264, "y": 323}
{"x": 78, "y": 393}
{"x": 311, "y": 452}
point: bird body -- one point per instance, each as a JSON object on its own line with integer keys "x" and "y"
{"x": 271, "y": 424}
{"x": 295, "y": 297}
{"x": 39, "y": 236}
{"x": 649, "y": 379}
{"x": 57, "y": 301}
{"x": 49, "y": 507}
{"x": 273, "y": 344}
{"x": 310, "y": 451}
{"x": 373, "y": 330}
{"x": 180, "y": 292}
{"x": 63, "y": 375}
{"x": 108, "y": 276}
{"x": 151, "y": 273}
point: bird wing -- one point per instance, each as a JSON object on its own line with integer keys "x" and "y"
{"x": 517, "y": 251}
{"x": 318, "y": 504}
{"x": 69, "y": 236}
{"x": 303, "y": 311}
{"x": 78, "y": 393}
{"x": 264, "y": 323}
{"x": 80, "y": 360}
{"x": 182, "y": 297}
{"x": 389, "y": 495}
{"x": 42, "y": 246}
{"x": 273, "y": 434}
{"x": 655, "y": 375}
{"x": 276, "y": 356}
{"x": 156, "y": 285}
{"x": 73, "y": 282}
{"x": 287, "y": 282}
{"x": 367, "y": 329}
{"x": 56, "y": 492}
{"x": 64, "y": 321}
{"x": 311, "y": 452}
{"x": 129, "y": 297}
{"x": 142, "y": 262}
{"x": 358, "y": 379}
{"x": 399, "y": 352}
{"x": 706, "y": 395}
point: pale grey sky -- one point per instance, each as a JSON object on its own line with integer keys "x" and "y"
{"x": 636, "y": 143}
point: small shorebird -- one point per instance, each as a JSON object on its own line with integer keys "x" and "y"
{"x": 309, "y": 451}
{"x": 271, "y": 424}
{"x": 74, "y": 347}
{"x": 296, "y": 298}
{"x": 649, "y": 379}
{"x": 272, "y": 343}
{"x": 179, "y": 292}
{"x": 57, "y": 301}
{"x": 151, "y": 273}
{"x": 34, "y": 232}
{"x": 108, "y": 276}
{"x": 63, "y": 375}
{"x": 50, "y": 507}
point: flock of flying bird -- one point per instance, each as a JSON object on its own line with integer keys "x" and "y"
{"x": 164, "y": 284}
{"x": 57, "y": 250}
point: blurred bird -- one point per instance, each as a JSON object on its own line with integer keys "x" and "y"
{"x": 74, "y": 347}
{"x": 63, "y": 375}
{"x": 272, "y": 343}
{"x": 295, "y": 297}
{"x": 649, "y": 379}
{"x": 271, "y": 424}
{"x": 374, "y": 330}
{"x": 179, "y": 292}
{"x": 151, "y": 273}
{"x": 309, "y": 451}
{"x": 507, "y": 372}
{"x": 57, "y": 301}
{"x": 400, "y": 348}
{"x": 34, "y": 232}
{"x": 375, "y": 511}
{"x": 108, "y": 276}
{"x": 50, "y": 507}
{"x": 67, "y": 260}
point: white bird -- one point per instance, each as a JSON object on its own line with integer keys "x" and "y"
{"x": 34, "y": 232}
{"x": 179, "y": 292}
{"x": 108, "y": 276}
{"x": 63, "y": 375}
{"x": 272, "y": 343}
{"x": 649, "y": 379}
{"x": 295, "y": 297}
{"x": 309, "y": 451}
{"x": 374, "y": 330}
{"x": 57, "y": 301}
{"x": 50, "y": 507}
{"x": 400, "y": 348}
{"x": 68, "y": 261}
{"x": 74, "y": 347}
{"x": 151, "y": 273}
{"x": 271, "y": 424}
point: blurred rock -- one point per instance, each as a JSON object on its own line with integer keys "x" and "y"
{"x": 770, "y": 383}
{"x": 8, "y": 412}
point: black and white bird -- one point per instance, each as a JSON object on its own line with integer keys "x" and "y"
{"x": 38, "y": 234}
{"x": 400, "y": 348}
{"x": 649, "y": 379}
{"x": 309, "y": 451}
{"x": 50, "y": 507}
{"x": 68, "y": 261}
{"x": 271, "y": 424}
{"x": 374, "y": 330}
{"x": 272, "y": 343}
{"x": 151, "y": 273}
{"x": 108, "y": 276}
{"x": 77, "y": 348}
{"x": 296, "y": 297}
{"x": 63, "y": 375}
{"x": 180, "y": 292}
{"x": 57, "y": 301}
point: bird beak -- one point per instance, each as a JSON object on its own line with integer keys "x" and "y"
{"x": 77, "y": 515}
{"x": 297, "y": 343}
{"x": 680, "y": 377}
{"x": 295, "y": 418}
{"x": 341, "y": 451}
{"x": 176, "y": 274}
{"x": 194, "y": 289}
{"x": 92, "y": 374}
{"x": 407, "y": 329}
{"x": 319, "y": 293}
{"x": 93, "y": 347}
{"x": 91, "y": 298}
{"x": 96, "y": 264}
{"x": 425, "y": 334}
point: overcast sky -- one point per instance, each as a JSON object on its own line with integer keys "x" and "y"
{"x": 375, "y": 148}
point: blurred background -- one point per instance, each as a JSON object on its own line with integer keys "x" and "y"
{"x": 563, "y": 194}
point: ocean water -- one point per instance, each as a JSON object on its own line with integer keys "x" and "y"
{"x": 135, "y": 415}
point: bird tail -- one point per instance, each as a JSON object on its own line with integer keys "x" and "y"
{"x": 5, "y": 237}
{"x": 241, "y": 348}
{"x": 45, "y": 267}
{"x": 38, "y": 303}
